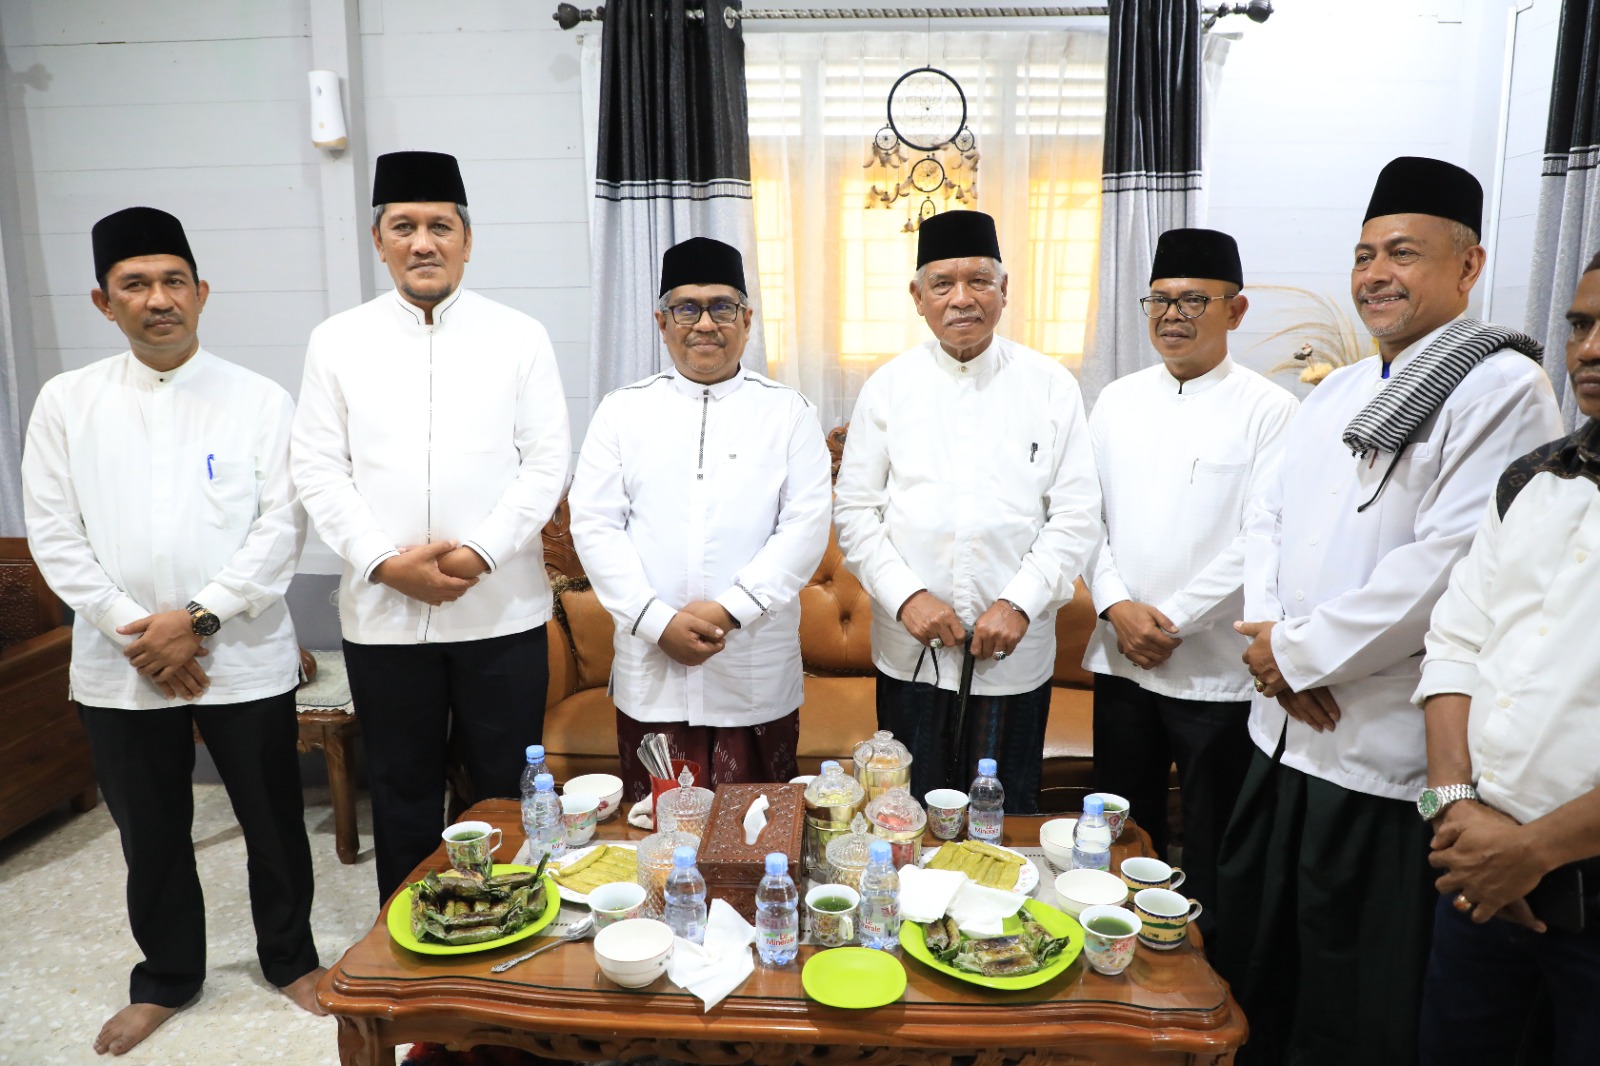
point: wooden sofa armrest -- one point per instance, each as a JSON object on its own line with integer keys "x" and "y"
{"x": 563, "y": 660}
{"x": 36, "y": 656}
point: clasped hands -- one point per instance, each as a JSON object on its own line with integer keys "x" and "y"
{"x": 697, "y": 632}
{"x": 1315, "y": 706}
{"x": 436, "y": 574}
{"x": 1487, "y": 860}
{"x": 166, "y": 650}
{"x": 996, "y": 634}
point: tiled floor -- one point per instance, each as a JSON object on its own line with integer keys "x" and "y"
{"x": 65, "y": 949}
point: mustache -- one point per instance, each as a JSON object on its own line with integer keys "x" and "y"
{"x": 1375, "y": 294}
{"x": 163, "y": 320}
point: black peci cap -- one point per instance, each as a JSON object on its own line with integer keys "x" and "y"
{"x": 417, "y": 177}
{"x": 1197, "y": 253}
{"x": 136, "y": 231}
{"x": 1417, "y": 185}
{"x": 702, "y": 261}
{"x": 956, "y": 235}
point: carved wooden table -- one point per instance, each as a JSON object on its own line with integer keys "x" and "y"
{"x": 1168, "y": 1007}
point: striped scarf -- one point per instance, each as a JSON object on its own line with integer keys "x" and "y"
{"x": 1387, "y": 422}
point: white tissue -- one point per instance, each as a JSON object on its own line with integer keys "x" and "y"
{"x": 982, "y": 911}
{"x": 714, "y": 969}
{"x": 755, "y": 819}
{"x": 925, "y": 894}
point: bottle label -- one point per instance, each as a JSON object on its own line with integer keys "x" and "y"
{"x": 876, "y": 920}
{"x": 786, "y": 938}
{"x": 985, "y": 825}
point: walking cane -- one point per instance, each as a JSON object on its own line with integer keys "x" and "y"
{"x": 962, "y": 693}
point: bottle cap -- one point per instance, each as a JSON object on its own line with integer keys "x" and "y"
{"x": 777, "y": 863}
{"x": 879, "y": 851}
{"x": 535, "y": 753}
{"x": 1094, "y": 805}
{"x": 683, "y": 855}
{"x": 543, "y": 783}
{"x": 986, "y": 767}
{"x": 829, "y": 764}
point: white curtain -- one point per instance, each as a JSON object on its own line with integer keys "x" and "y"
{"x": 835, "y": 275}
{"x": 11, "y": 338}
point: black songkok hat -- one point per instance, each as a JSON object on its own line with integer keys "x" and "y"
{"x": 417, "y": 178}
{"x": 702, "y": 261}
{"x": 136, "y": 231}
{"x": 956, "y": 235}
{"x": 1416, "y": 185}
{"x": 1197, "y": 253}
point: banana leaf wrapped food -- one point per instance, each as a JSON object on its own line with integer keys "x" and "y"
{"x": 455, "y": 908}
{"x": 1026, "y": 951}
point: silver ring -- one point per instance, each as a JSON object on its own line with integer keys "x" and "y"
{"x": 999, "y": 655}
{"x": 935, "y": 643}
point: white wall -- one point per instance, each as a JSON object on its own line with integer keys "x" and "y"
{"x": 1315, "y": 101}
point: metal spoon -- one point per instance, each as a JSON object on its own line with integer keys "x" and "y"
{"x": 580, "y": 929}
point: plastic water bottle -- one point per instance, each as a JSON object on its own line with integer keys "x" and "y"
{"x": 686, "y": 896}
{"x": 777, "y": 913}
{"x": 1091, "y": 837}
{"x": 535, "y": 767}
{"x": 541, "y": 820}
{"x": 879, "y": 923}
{"x": 986, "y": 805}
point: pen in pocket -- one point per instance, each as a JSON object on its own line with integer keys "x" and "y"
{"x": 209, "y": 475}
{"x": 1033, "y": 450}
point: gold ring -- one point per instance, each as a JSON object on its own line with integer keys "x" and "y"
{"x": 1260, "y": 686}
{"x": 1462, "y": 903}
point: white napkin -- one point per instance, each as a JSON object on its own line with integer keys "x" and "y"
{"x": 755, "y": 819}
{"x": 642, "y": 814}
{"x": 926, "y": 894}
{"x": 982, "y": 911}
{"x": 714, "y": 969}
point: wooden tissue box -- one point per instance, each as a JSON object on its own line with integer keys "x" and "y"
{"x": 731, "y": 867}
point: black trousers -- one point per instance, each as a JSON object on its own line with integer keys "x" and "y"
{"x": 145, "y": 760}
{"x": 1325, "y": 909}
{"x": 1008, "y": 729}
{"x": 1137, "y": 736}
{"x": 412, "y": 697}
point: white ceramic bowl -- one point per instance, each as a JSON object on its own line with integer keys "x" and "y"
{"x": 1077, "y": 889}
{"x": 607, "y": 786}
{"x": 634, "y": 951}
{"x": 1055, "y": 840}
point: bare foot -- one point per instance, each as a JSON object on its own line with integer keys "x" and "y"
{"x": 304, "y": 991}
{"x": 130, "y": 1025}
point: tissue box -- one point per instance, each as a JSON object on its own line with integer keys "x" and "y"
{"x": 731, "y": 867}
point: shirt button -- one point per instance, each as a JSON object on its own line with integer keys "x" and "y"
{"x": 1505, "y": 701}
{"x": 1313, "y": 542}
{"x": 1544, "y": 631}
{"x": 1582, "y": 556}
{"x": 1488, "y": 777}
{"x": 1299, "y": 596}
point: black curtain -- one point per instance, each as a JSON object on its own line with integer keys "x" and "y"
{"x": 672, "y": 162}
{"x": 1150, "y": 174}
{"x": 1568, "y": 228}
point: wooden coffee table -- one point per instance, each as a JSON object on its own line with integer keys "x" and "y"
{"x": 1168, "y": 1007}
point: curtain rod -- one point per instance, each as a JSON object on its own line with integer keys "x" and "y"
{"x": 569, "y": 15}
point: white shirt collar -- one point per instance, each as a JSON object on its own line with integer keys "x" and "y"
{"x": 695, "y": 388}
{"x": 977, "y": 367}
{"x": 1195, "y": 386}
{"x": 149, "y": 377}
{"x": 414, "y": 315}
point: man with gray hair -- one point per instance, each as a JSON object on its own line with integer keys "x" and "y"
{"x": 430, "y": 448}
{"x": 967, "y": 503}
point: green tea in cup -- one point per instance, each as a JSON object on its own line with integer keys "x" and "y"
{"x": 1109, "y": 925}
{"x": 832, "y": 904}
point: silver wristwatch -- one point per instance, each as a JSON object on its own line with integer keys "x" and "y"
{"x": 1433, "y": 801}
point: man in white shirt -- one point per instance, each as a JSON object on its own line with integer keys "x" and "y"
{"x": 967, "y": 499}
{"x": 159, "y": 508}
{"x": 700, "y": 508}
{"x": 430, "y": 448}
{"x": 1325, "y": 896}
{"x": 1508, "y": 690}
{"x": 1182, "y": 449}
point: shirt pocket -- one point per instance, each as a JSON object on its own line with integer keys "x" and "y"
{"x": 230, "y": 493}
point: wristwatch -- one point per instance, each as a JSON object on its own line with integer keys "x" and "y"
{"x": 202, "y": 621}
{"x": 1433, "y": 801}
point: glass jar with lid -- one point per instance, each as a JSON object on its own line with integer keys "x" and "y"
{"x": 832, "y": 799}
{"x": 897, "y": 817}
{"x": 881, "y": 763}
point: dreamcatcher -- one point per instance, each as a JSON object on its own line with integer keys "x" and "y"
{"x": 926, "y": 150}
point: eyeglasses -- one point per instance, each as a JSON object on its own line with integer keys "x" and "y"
{"x": 1190, "y": 304}
{"x": 688, "y": 313}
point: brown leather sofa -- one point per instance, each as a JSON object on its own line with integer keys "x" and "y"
{"x": 44, "y": 752}
{"x": 580, "y": 733}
